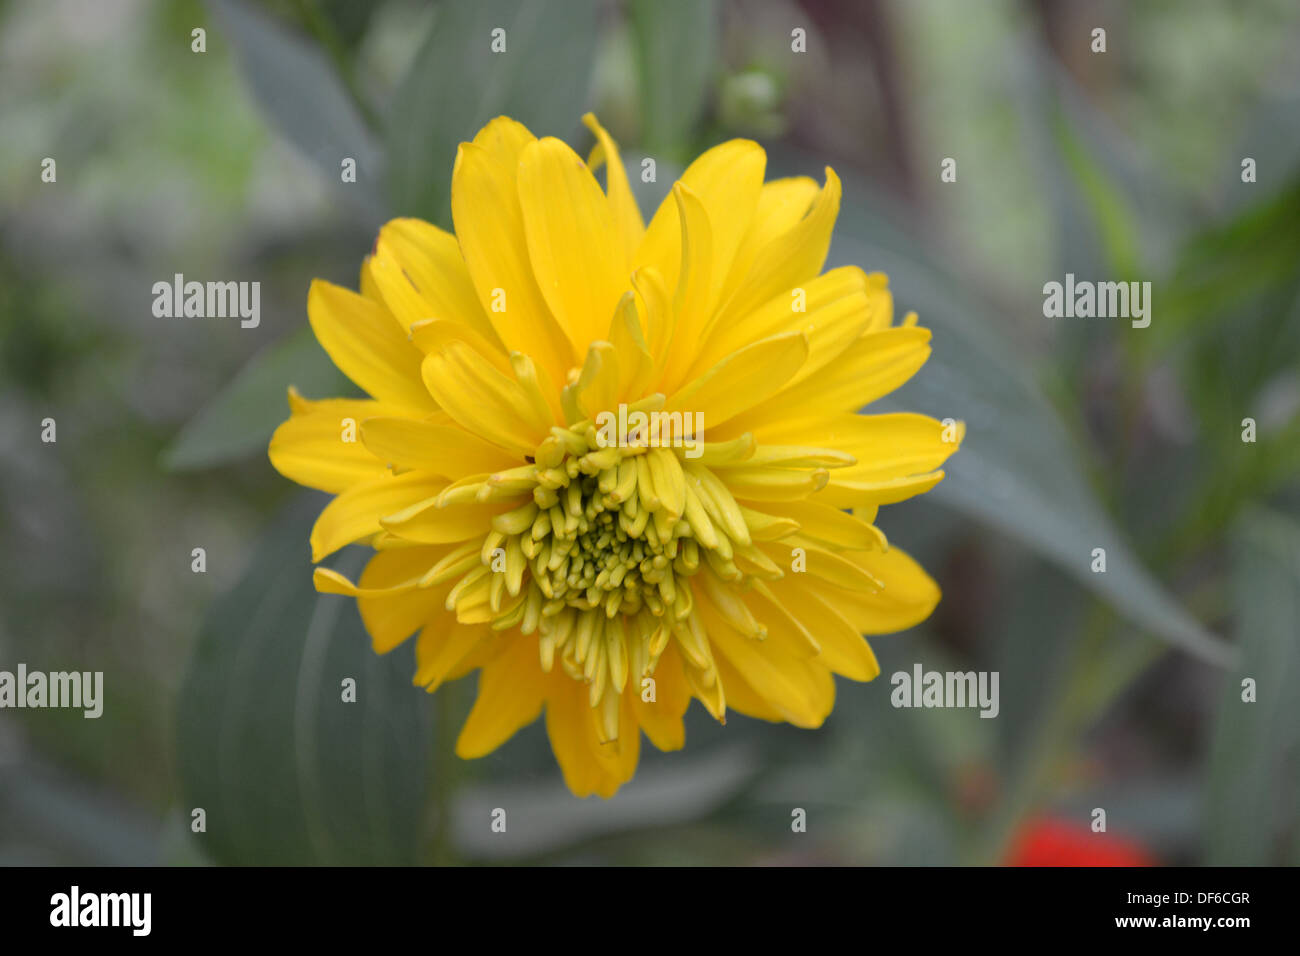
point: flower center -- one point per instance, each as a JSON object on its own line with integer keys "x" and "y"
{"x": 601, "y": 549}
{"x": 606, "y": 545}
{"x": 597, "y": 562}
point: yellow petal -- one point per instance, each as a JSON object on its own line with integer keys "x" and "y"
{"x": 793, "y": 456}
{"x": 636, "y": 367}
{"x": 355, "y": 513}
{"x": 781, "y": 204}
{"x": 855, "y": 493}
{"x": 511, "y": 690}
{"x": 836, "y": 570}
{"x": 503, "y": 139}
{"x": 791, "y": 259}
{"x": 398, "y": 295}
{"x": 446, "y": 647}
{"x": 896, "y": 445}
{"x": 367, "y": 345}
{"x": 728, "y": 179}
{"x": 490, "y": 227}
{"x": 661, "y": 718}
{"x": 430, "y": 259}
{"x": 801, "y": 691}
{"x": 425, "y": 522}
{"x": 571, "y": 239}
{"x": 843, "y": 649}
{"x": 617, "y": 758}
{"x": 785, "y": 632}
{"x": 589, "y": 766}
{"x": 566, "y": 725}
{"x": 597, "y": 387}
{"x": 741, "y": 695}
{"x": 397, "y": 574}
{"x": 430, "y": 335}
{"x": 743, "y": 379}
{"x": 483, "y": 400}
{"x": 827, "y": 301}
{"x": 622, "y": 204}
{"x": 882, "y": 304}
{"x": 446, "y": 450}
{"x": 691, "y": 302}
{"x": 873, "y": 366}
{"x": 775, "y": 484}
{"x": 311, "y": 447}
{"x": 907, "y": 597}
{"x": 390, "y": 609}
{"x": 656, "y": 307}
{"x": 832, "y": 527}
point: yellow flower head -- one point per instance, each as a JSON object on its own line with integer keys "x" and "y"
{"x": 617, "y": 466}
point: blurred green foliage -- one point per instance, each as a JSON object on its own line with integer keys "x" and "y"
{"x": 1119, "y": 690}
{"x": 283, "y": 773}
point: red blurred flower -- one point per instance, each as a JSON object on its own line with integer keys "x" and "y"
{"x": 1047, "y": 842}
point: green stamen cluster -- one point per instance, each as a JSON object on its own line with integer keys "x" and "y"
{"x": 597, "y": 562}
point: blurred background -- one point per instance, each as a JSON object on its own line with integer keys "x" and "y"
{"x": 1119, "y": 690}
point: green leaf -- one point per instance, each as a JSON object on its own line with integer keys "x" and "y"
{"x": 48, "y": 818}
{"x": 676, "y": 43}
{"x": 300, "y": 91}
{"x": 547, "y": 818}
{"x": 1115, "y": 212}
{"x": 1271, "y": 138}
{"x": 285, "y": 769}
{"x": 1232, "y": 309}
{"x": 1254, "y": 783}
{"x": 240, "y": 419}
{"x": 456, "y": 84}
{"x": 1116, "y": 228}
{"x": 1017, "y": 471}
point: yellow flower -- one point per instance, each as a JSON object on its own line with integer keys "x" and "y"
{"x": 526, "y": 520}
